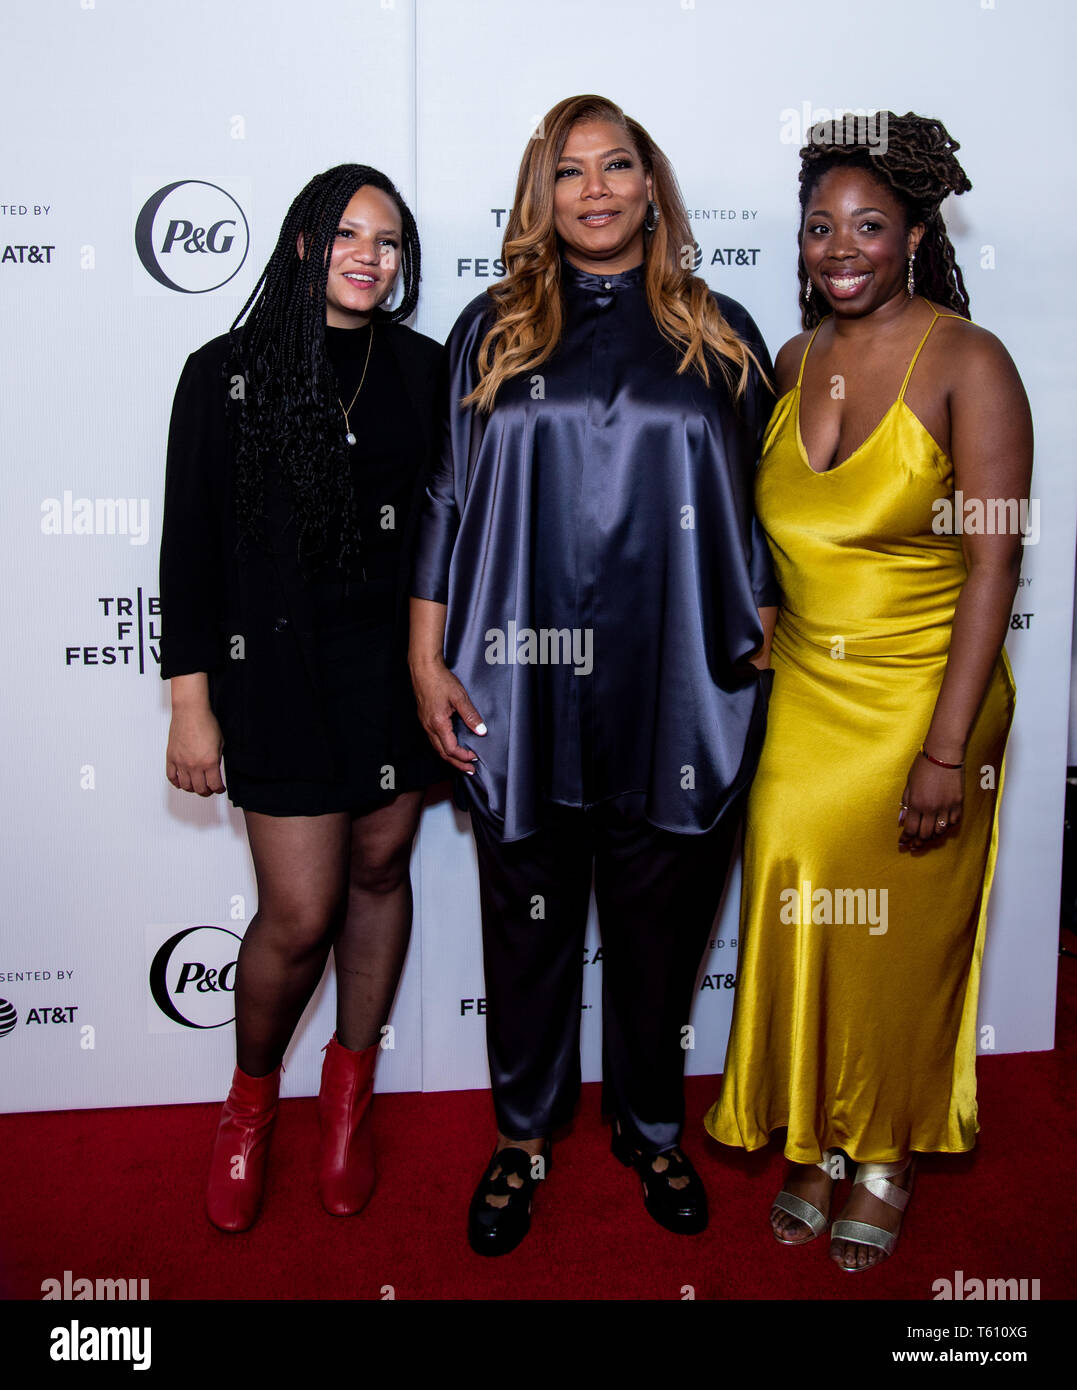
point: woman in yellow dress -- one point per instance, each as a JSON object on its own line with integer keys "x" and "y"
{"x": 890, "y": 490}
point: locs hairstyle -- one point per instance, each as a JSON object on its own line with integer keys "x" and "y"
{"x": 919, "y": 167}
{"x": 288, "y": 413}
{"x": 529, "y": 311}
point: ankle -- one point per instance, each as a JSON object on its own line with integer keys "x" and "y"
{"x": 257, "y": 1071}
{"x": 628, "y": 1144}
{"x": 345, "y": 1041}
{"x": 530, "y": 1146}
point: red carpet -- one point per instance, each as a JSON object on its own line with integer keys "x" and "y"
{"x": 118, "y": 1193}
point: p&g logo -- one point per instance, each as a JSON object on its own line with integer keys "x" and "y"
{"x": 192, "y": 976}
{"x": 192, "y": 236}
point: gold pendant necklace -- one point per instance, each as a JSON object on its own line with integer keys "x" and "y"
{"x": 349, "y": 436}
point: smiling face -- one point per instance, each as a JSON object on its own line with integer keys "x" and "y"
{"x": 365, "y": 258}
{"x": 600, "y": 198}
{"x": 855, "y": 245}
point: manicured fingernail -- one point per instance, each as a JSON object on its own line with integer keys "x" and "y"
{"x": 470, "y": 771}
{"x": 480, "y": 728}
{"x": 901, "y": 818}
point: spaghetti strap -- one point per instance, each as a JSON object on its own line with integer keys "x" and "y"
{"x": 800, "y": 374}
{"x": 916, "y": 354}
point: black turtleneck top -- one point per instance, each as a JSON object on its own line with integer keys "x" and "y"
{"x": 388, "y": 440}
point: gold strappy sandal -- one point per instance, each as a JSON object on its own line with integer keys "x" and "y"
{"x": 801, "y": 1210}
{"x": 876, "y": 1178}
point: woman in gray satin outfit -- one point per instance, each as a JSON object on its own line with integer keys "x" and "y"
{"x": 591, "y": 610}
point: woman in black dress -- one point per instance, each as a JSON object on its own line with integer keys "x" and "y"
{"x": 295, "y": 447}
{"x": 591, "y": 601}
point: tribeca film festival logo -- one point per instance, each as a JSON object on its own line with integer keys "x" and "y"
{"x": 192, "y": 236}
{"x": 192, "y": 977}
{"x": 133, "y": 631}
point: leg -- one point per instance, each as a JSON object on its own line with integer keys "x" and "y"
{"x": 370, "y": 948}
{"x": 657, "y": 898}
{"x": 535, "y": 894}
{"x": 300, "y": 865}
{"x": 657, "y": 894}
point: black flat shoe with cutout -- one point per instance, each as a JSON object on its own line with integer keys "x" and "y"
{"x": 680, "y": 1208}
{"x": 494, "y": 1227}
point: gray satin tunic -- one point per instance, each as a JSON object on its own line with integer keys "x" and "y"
{"x": 595, "y": 542}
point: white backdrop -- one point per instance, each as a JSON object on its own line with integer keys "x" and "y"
{"x": 108, "y": 102}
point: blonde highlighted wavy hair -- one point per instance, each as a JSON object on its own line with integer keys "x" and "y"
{"x": 528, "y": 301}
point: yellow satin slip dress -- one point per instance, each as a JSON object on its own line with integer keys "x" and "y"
{"x": 854, "y": 1023}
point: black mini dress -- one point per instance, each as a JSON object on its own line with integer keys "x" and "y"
{"x": 355, "y": 626}
{"x": 370, "y": 712}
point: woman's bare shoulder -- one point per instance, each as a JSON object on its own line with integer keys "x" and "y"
{"x": 973, "y": 355}
{"x": 787, "y": 363}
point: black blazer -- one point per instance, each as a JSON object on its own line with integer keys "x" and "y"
{"x": 245, "y": 618}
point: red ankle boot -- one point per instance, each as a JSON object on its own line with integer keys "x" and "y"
{"x": 346, "y": 1161}
{"x": 237, "y": 1168}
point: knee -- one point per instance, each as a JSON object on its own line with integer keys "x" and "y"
{"x": 296, "y": 926}
{"x": 381, "y": 873}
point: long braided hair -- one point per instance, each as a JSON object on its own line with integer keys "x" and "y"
{"x": 288, "y": 417}
{"x": 918, "y": 165}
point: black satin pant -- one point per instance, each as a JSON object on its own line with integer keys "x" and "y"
{"x": 657, "y": 894}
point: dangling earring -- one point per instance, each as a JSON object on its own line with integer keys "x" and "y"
{"x": 807, "y": 292}
{"x": 911, "y": 282}
{"x": 650, "y": 222}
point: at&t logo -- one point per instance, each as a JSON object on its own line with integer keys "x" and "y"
{"x": 192, "y": 236}
{"x": 192, "y": 978}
